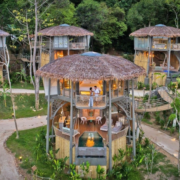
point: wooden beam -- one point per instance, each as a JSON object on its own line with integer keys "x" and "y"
{"x": 48, "y": 116}
{"x": 109, "y": 129}
{"x": 71, "y": 125}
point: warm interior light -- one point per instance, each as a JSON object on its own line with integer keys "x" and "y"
{"x": 150, "y": 55}
{"x": 58, "y": 54}
{"x": 90, "y": 143}
{"x": 85, "y": 93}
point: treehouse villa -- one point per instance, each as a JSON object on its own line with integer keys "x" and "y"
{"x": 3, "y": 53}
{"x": 90, "y": 133}
{"x": 157, "y": 49}
{"x": 59, "y": 41}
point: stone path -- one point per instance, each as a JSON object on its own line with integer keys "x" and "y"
{"x": 168, "y": 143}
{"x": 8, "y": 169}
{"x": 24, "y": 91}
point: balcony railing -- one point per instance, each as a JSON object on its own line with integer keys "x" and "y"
{"x": 75, "y": 45}
{"x": 83, "y": 101}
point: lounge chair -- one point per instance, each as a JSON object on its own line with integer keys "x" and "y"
{"x": 104, "y": 127}
{"x": 117, "y": 128}
{"x": 66, "y": 131}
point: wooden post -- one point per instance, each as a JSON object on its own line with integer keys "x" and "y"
{"x": 77, "y": 88}
{"x": 71, "y": 125}
{"x": 109, "y": 129}
{"x": 133, "y": 116}
{"x": 68, "y": 45}
{"x": 169, "y": 54}
{"x": 149, "y": 51}
{"x": 48, "y": 116}
{"x": 129, "y": 130}
{"x": 104, "y": 87}
{"x": 50, "y": 49}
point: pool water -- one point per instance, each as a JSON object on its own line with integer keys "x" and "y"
{"x": 91, "y": 139}
{"x": 169, "y": 71}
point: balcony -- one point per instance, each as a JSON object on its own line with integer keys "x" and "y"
{"x": 82, "y": 101}
{"x": 77, "y": 45}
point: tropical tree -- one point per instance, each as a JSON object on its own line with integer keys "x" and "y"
{"x": 146, "y": 13}
{"x": 175, "y": 7}
{"x": 107, "y": 23}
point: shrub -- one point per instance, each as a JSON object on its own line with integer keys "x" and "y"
{"x": 162, "y": 123}
{"x": 172, "y": 130}
{"x": 147, "y": 115}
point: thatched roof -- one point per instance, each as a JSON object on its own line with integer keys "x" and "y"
{"x": 64, "y": 30}
{"x": 3, "y": 33}
{"x": 91, "y": 65}
{"x": 158, "y": 30}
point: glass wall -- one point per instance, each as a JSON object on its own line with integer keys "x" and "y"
{"x": 141, "y": 43}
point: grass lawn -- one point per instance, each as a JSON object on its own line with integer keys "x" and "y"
{"x": 24, "y": 106}
{"x": 24, "y": 147}
{"x": 25, "y": 86}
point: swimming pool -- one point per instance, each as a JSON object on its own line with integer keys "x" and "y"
{"x": 91, "y": 139}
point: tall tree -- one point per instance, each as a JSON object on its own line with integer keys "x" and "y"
{"x": 106, "y": 23}
{"x": 147, "y": 13}
{"x": 175, "y": 8}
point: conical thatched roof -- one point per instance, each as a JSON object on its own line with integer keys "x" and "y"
{"x": 3, "y": 33}
{"x": 91, "y": 65}
{"x": 64, "y": 30}
{"x": 158, "y": 30}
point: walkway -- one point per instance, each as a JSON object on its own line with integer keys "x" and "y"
{"x": 169, "y": 144}
{"x": 24, "y": 91}
{"x": 8, "y": 169}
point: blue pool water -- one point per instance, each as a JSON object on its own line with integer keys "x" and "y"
{"x": 169, "y": 71}
{"x": 91, "y": 139}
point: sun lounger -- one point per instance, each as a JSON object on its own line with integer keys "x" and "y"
{"x": 117, "y": 128}
{"x": 104, "y": 127}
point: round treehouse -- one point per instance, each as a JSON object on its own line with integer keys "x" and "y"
{"x": 3, "y": 50}
{"x": 90, "y": 132}
{"x": 59, "y": 41}
{"x": 157, "y": 49}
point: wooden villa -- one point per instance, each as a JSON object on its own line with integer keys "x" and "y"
{"x": 157, "y": 49}
{"x": 59, "y": 41}
{"x": 90, "y": 133}
{"x": 3, "y": 53}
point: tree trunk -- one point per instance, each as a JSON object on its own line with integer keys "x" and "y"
{"x": 30, "y": 67}
{"x": 12, "y": 98}
{"x": 34, "y": 60}
{"x": 179, "y": 151}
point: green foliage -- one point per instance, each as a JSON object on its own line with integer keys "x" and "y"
{"x": 162, "y": 123}
{"x": 157, "y": 117}
{"x": 106, "y": 23}
{"x": 129, "y": 57}
{"x": 172, "y": 130}
{"x": 147, "y": 115}
{"x": 58, "y": 165}
{"x": 39, "y": 148}
{"x": 74, "y": 175}
{"x": 100, "y": 173}
{"x": 146, "y": 13}
{"x": 85, "y": 167}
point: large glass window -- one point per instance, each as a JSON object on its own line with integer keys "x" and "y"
{"x": 61, "y": 42}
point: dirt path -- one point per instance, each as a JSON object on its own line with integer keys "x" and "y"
{"x": 24, "y": 91}
{"x": 8, "y": 170}
{"x": 168, "y": 143}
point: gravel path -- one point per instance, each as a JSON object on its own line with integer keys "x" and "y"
{"x": 8, "y": 169}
